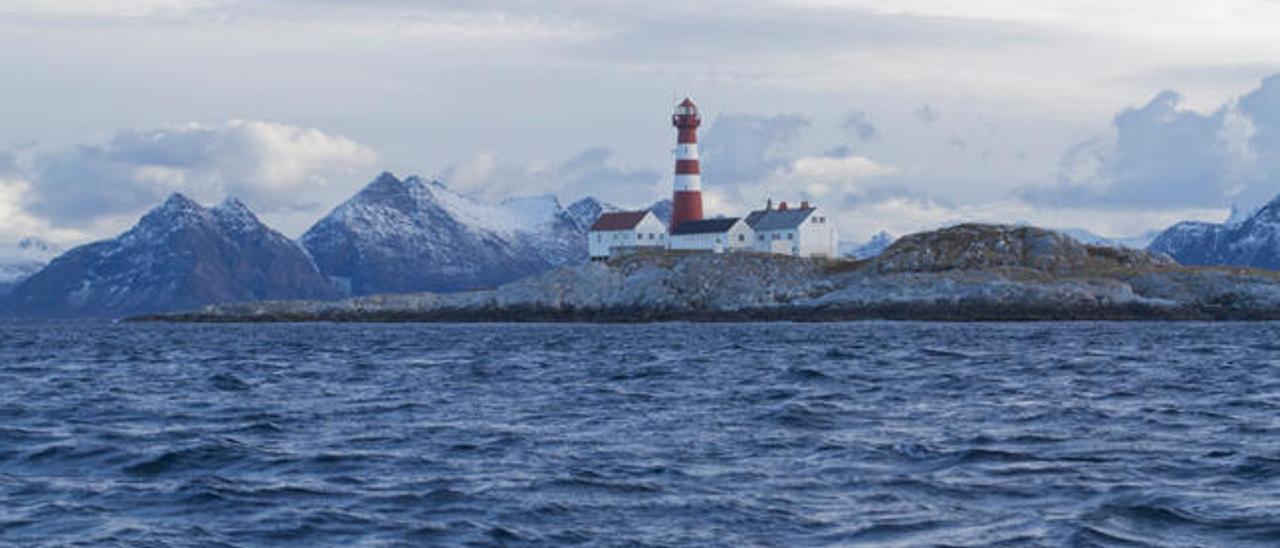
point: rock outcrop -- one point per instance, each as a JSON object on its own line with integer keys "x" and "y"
{"x": 968, "y": 272}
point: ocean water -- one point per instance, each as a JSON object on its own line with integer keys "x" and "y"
{"x": 773, "y": 434}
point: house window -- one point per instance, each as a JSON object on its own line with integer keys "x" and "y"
{"x": 639, "y": 236}
{"x": 599, "y": 237}
{"x": 791, "y": 236}
{"x": 742, "y": 237}
{"x": 650, "y": 235}
{"x": 776, "y": 236}
{"x": 761, "y": 237}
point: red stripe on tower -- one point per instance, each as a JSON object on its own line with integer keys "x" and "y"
{"x": 686, "y": 201}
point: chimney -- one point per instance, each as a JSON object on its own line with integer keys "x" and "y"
{"x": 782, "y": 206}
{"x": 804, "y": 204}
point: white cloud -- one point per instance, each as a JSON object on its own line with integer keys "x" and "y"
{"x": 272, "y": 167}
{"x": 823, "y": 176}
{"x": 906, "y": 214}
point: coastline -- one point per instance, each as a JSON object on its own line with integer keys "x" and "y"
{"x": 963, "y": 273}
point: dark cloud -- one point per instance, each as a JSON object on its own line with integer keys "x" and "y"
{"x": 842, "y": 151}
{"x": 1262, "y": 109}
{"x": 744, "y": 148}
{"x": 590, "y": 171}
{"x": 859, "y": 125}
{"x": 1166, "y": 156}
{"x": 926, "y": 114}
{"x": 9, "y": 164}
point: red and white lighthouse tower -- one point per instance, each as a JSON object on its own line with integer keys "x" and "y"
{"x": 687, "y": 198}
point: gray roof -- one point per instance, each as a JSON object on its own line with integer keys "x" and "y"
{"x": 705, "y": 226}
{"x": 777, "y": 219}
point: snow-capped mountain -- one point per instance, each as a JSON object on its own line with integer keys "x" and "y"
{"x": 20, "y": 261}
{"x": 408, "y": 235}
{"x": 1253, "y": 241}
{"x": 662, "y": 210}
{"x": 870, "y": 248}
{"x": 179, "y": 256}
{"x": 1084, "y": 236}
{"x": 587, "y": 210}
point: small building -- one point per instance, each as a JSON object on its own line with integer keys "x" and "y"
{"x": 715, "y": 235}
{"x": 798, "y": 231}
{"x": 619, "y": 231}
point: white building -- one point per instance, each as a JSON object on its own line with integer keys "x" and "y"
{"x": 802, "y": 232}
{"x": 615, "y": 232}
{"x": 716, "y": 235}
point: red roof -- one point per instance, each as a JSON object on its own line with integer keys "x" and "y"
{"x": 621, "y": 220}
{"x": 687, "y": 102}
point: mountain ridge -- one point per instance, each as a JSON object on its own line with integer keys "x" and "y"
{"x": 178, "y": 255}
{"x": 1251, "y": 240}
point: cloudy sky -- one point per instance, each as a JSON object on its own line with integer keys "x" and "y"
{"x": 1115, "y": 116}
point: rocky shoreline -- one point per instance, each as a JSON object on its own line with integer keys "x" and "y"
{"x": 963, "y": 273}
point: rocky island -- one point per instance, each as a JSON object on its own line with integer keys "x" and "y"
{"x": 965, "y": 272}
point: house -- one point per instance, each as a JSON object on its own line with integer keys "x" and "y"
{"x": 620, "y": 231}
{"x": 715, "y": 235}
{"x": 801, "y": 231}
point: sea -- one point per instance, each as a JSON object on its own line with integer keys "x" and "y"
{"x": 668, "y": 434}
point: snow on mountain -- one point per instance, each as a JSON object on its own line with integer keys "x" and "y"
{"x": 417, "y": 235}
{"x": 1253, "y": 241}
{"x": 1088, "y": 237}
{"x": 1241, "y": 214}
{"x": 662, "y": 210}
{"x": 585, "y": 211}
{"x": 870, "y": 248}
{"x": 180, "y": 255}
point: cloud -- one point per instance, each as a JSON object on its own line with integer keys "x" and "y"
{"x": 908, "y": 213}
{"x": 271, "y": 166}
{"x": 859, "y": 125}
{"x": 1163, "y": 155}
{"x": 825, "y": 176}
{"x": 17, "y": 223}
{"x": 591, "y": 171}
{"x": 746, "y": 148}
{"x": 926, "y": 114}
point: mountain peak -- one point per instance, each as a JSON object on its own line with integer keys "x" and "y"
{"x": 385, "y": 177}
{"x": 179, "y": 202}
{"x": 233, "y": 214}
{"x": 231, "y": 203}
{"x": 420, "y": 181}
{"x": 179, "y": 255}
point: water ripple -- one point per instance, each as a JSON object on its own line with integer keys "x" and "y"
{"x": 1113, "y": 434}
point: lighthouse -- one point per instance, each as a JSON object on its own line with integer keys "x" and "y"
{"x": 686, "y": 201}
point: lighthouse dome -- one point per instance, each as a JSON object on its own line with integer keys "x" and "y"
{"x": 686, "y": 108}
